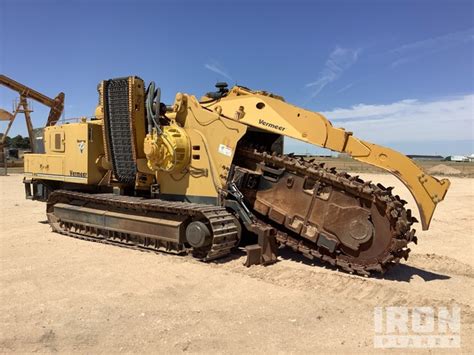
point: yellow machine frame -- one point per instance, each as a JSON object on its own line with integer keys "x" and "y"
{"x": 211, "y": 133}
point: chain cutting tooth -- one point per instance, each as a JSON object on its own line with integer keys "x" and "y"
{"x": 403, "y": 253}
{"x": 400, "y": 243}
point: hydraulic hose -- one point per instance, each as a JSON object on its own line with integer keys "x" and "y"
{"x": 153, "y": 114}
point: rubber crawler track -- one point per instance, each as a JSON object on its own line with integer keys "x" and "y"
{"x": 222, "y": 223}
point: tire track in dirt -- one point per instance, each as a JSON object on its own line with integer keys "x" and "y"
{"x": 413, "y": 291}
{"x": 441, "y": 263}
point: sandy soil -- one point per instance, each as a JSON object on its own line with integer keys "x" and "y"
{"x": 67, "y": 295}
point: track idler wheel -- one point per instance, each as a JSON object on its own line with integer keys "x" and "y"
{"x": 198, "y": 234}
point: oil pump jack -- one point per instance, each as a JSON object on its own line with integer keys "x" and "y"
{"x": 56, "y": 106}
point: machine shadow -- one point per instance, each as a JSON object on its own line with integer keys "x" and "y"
{"x": 404, "y": 273}
{"x": 238, "y": 253}
{"x": 400, "y": 272}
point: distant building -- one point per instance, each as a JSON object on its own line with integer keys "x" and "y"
{"x": 425, "y": 157}
{"x": 457, "y": 158}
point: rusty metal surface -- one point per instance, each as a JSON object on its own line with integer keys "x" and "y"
{"x": 56, "y": 105}
{"x": 254, "y": 255}
{"x": 265, "y": 252}
{"x": 342, "y": 220}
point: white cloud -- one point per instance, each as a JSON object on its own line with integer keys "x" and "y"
{"x": 409, "y": 120}
{"x": 415, "y": 50}
{"x": 215, "y": 67}
{"x": 339, "y": 60}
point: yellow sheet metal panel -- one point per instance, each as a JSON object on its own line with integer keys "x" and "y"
{"x": 213, "y": 140}
{"x": 71, "y": 154}
{"x": 275, "y": 116}
{"x": 194, "y": 181}
{"x": 137, "y": 112}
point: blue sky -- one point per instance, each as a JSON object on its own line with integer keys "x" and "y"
{"x": 398, "y": 73}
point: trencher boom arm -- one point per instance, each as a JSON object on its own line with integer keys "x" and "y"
{"x": 269, "y": 112}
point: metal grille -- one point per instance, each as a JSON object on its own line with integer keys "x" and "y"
{"x": 118, "y": 130}
{"x": 57, "y": 141}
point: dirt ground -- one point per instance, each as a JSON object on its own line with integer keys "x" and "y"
{"x": 67, "y": 295}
